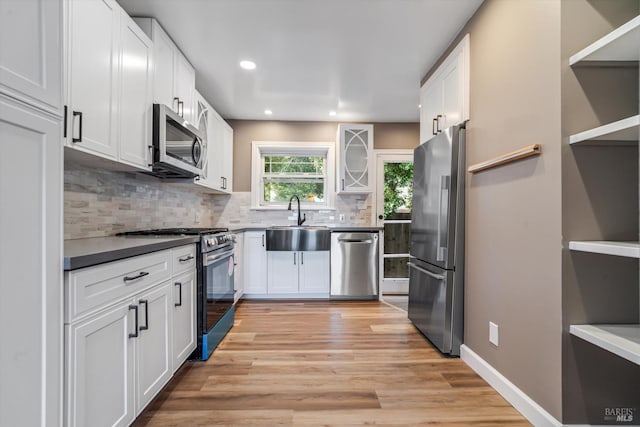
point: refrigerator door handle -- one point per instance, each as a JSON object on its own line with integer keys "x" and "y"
{"x": 444, "y": 189}
{"x": 427, "y": 272}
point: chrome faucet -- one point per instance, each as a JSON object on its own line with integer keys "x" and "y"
{"x": 300, "y": 220}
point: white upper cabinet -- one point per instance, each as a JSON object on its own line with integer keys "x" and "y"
{"x": 109, "y": 80}
{"x": 30, "y": 59}
{"x": 444, "y": 98}
{"x": 355, "y": 158}
{"x": 218, "y": 170}
{"x": 93, "y": 51}
{"x": 135, "y": 94}
{"x": 174, "y": 77}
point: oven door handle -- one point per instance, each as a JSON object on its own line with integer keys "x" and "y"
{"x": 210, "y": 259}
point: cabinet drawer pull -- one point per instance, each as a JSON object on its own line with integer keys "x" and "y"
{"x": 187, "y": 258}
{"x": 146, "y": 315}
{"x": 263, "y": 240}
{"x": 135, "y": 334}
{"x": 342, "y": 184}
{"x": 176, "y": 101}
{"x": 64, "y": 134}
{"x": 438, "y": 117}
{"x": 294, "y": 258}
{"x": 181, "y": 109}
{"x": 301, "y": 258}
{"x": 142, "y": 274}
{"x": 433, "y": 126}
{"x": 179, "y": 303}
{"x": 79, "y": 115}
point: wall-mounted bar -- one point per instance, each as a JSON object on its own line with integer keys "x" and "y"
{"x": 531, "y": 150}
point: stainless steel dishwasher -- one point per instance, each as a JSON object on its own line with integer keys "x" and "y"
{"x": 354, "y": 265}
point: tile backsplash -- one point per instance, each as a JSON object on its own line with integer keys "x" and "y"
{"x": 234, "y": 211}
{"x": 102, "y": 203}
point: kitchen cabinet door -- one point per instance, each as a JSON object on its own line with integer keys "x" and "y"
{"x": 314, "y": 272}
{"x": 135, "y": 109}
{"x": 184, "y": 86}
{"x": 255, "y": 266}
{"x": 100, "y": 362}
{"x": 430, "y": 108}
{"x": 184, "y": 317}
{"x": 30, "y": 55}
{"x": 30, "y": 217}
{"x": 164, "y": 66}
{"x": 154, "y": 352}
{"x": 93, "y": 35}
{"x": 238, "y": 282}
{"x": 282, "y": 272}
{"x": 354, "y": 158}
{"x": 227, "y": 156}
{"x": 452, "y": 103}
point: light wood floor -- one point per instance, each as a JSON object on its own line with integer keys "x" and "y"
{"x": 324, "y": 364}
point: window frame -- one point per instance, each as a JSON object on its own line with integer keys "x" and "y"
{"x": 302, "y": 148}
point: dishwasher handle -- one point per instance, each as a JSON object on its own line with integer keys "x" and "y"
{"x": 355, "y": 240}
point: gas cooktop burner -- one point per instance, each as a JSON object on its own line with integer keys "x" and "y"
{"x": 175, "y": 231}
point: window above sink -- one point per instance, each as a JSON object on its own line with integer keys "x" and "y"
{"x": 282, "y": 169}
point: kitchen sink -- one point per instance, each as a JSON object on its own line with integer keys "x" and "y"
{"x": 298, "y": 238}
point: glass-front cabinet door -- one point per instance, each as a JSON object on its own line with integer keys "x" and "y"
{"x": 356, "y": 148}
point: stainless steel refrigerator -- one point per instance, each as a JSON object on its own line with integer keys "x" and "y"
{"x": 436, "y": 267}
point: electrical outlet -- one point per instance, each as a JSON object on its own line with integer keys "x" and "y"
{"x": 494, "y": 334}
{"x": 341, "y": 218}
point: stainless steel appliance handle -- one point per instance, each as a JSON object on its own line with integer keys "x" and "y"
{"x": 210, "y": 259}
{"x": 135, "y": 334}
{"x": 428, "y": 273}
{"x": 355, "y": 241}
{"x": 146, "y": 315}
{"x": 444, "y": 187}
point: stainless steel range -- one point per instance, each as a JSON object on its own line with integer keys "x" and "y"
{"x": 215, "y": 265}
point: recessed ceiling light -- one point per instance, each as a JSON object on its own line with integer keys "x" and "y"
{"x": 332, "y": 113}
{"x": 248, "y": 65}
{"x": 268, "y": 112}
{"x": 419, "y": 105}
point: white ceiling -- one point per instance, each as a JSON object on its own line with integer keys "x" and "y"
{"x": 361, "y": 58}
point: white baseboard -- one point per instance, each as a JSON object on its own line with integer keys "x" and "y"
{"x": 523, "y": 403}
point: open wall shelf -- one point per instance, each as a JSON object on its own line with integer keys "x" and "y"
{"x": 621, "y": 340}
{"x": 620, "y": 45}
{"x": 625, "y": 130}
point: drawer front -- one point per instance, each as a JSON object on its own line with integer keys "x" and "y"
{"x": 92, "y": 288}
{"x": 183, "y": 258}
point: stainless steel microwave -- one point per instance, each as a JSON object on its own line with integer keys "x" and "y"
{"x": 179, "y": 149}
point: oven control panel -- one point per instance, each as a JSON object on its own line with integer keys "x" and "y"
{"x": 211, "y": 242}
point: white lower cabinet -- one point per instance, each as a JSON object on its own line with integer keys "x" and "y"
{"x": 121, "y": 353}
{"x": 298, "y": 272}
{"x": 314, "y": 272}
{"x": 184, "y": 317}
{"x": 238, "y": 282}
{"x": 282, "y": 272}
{"x": 100, "y": 364}
{"x": 255, "y": 265}
{"x": 154, "y": 350}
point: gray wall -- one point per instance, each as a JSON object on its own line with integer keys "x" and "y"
{"x": 600, "y": 202}
{"x": 386, "y": 136}
{"x": 513, "y": 250}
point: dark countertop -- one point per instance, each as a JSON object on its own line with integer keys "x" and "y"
{"x": 80, "y": 253}
{"x": 331, "y": 228}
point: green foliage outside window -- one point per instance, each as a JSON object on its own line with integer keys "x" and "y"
{"x": 285, "y": 176}
{"x": 398, "y": 187}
